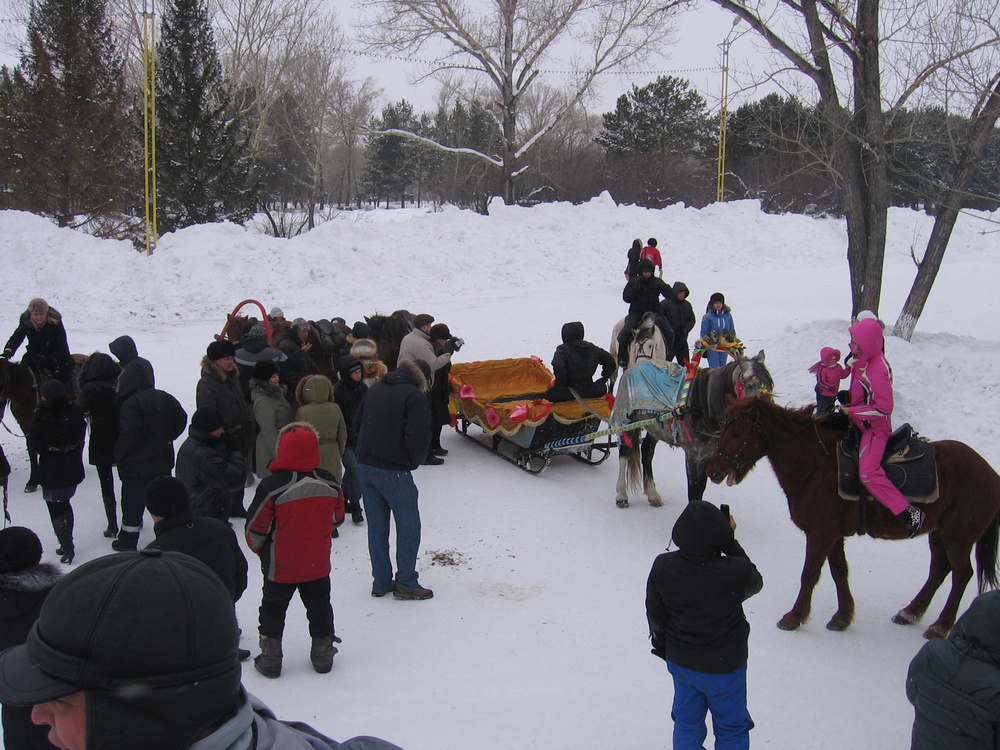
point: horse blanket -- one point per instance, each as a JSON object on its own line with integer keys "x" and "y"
{"x": 647, "y": 386}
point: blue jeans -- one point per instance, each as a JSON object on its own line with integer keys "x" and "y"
{"x": 725, "y": 695}
{"x": 351, "y": 486}
{"x": 391, "y": 492}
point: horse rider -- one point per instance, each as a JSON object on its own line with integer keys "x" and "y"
{"x": 47, "y": 349}
{"x": 643, "y": 294}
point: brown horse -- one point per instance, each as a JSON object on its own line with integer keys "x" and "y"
{"x": 803, "y": 453}
{"x": 387, "y": 331}
{"x": 19, "y": 389}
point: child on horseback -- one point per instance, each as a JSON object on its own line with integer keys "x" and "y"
{"x": 871, "y": 412}
{"x": 717, "y": 321}
{"x": 829, "y": 372}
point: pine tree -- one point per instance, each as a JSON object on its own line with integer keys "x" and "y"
{"x": 203, "y": 163}
{"x": 390, "y": 160}
{"x": 66, "y": 115}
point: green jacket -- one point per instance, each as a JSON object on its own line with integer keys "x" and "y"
{"x": 315, "y": 393}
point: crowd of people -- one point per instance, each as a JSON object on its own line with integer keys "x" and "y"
{"x": 324, "y": 448}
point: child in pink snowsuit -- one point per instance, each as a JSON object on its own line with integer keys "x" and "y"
{"x": 871, "y": 412}
{"x": 829, "y": 372}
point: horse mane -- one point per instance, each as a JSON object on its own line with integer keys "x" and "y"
{"x": 713, "y": 386}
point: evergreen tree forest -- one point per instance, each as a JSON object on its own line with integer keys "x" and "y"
{"x": 233, "y": 142}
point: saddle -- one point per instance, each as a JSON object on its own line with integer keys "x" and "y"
{"x": 908, "y": 463}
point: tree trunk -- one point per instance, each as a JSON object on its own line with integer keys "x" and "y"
{"x": 947, "y": 216}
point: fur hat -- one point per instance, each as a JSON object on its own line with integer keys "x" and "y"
{"x": 38, "y": 306}
{"x": 422, "y": 319}
{"x": 645, "y": 265}
{"x": 150, "y": 636}
{"x": 166, "y": 497}
{"x": 440, "y": 331}
{"x": 364, "y": 349}
{"x": 220, "y": 349}
{"x": 265, "y": 369}
{"x": 361, "y": 330}
{"x": 53, "y": 390}
{"x": 20, "y": 549}
{"x": 208, "y": 419}
{"x": 717, "y": 297}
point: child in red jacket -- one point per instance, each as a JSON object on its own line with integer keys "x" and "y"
{"x": 289, "y": 525}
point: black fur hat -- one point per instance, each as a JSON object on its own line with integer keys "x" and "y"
{"x": 645, "y": 265}
{"x": 20, "y": 548}
{"x": 264, "y": 369}
{"x": 717, "y": 297}
{"x": 439, "y": 331}
{"x": 208, "y": 418}
{"x": 219, "y": 349}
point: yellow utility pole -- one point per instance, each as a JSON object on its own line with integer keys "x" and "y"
{"x": 149, "y": 121}
{"x": 720, "y": 180}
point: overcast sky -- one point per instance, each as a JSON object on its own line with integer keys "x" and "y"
{"x": 695, "y": 55}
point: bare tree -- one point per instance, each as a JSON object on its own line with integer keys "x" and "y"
{"x": 508, "y": 43}
{"x": 842, "y": 48}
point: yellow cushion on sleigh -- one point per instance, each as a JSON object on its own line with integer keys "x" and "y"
{"x": 506, "y": 395}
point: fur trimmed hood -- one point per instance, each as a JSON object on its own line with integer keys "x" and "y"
{"x": 208, "y": 367}
{"x": 314, "y": 389}
{"x": 39, "y": 577}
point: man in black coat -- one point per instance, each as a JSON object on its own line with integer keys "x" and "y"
{"x": 210, "y": 465}
{"x": 680, "y": 317}
{"x": 207, "y": 539}
{"x": 220, "y": 387}
{"x": 574, "y": 365}
{"x": 150, "y": 421}
{"x": 125, "y": 351}
{"x": 694, "y": 607}
{"x": 393, "y": 424}
{"x": 643, "y": 294}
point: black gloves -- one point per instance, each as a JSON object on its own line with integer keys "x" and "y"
{"x": 658, "y": 648}
{"x": 455, "y": 343}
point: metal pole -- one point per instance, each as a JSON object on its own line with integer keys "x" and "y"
{"x": 720, "y": 180}
{"x": 149, "y": 122}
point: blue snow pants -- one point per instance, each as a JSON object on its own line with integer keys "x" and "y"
{"x": 725, "y": 695}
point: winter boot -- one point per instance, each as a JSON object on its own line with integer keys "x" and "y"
{"x": 63, "y": 526}
{"x": 269, "y": 661}
{"x": 111, "y": 511}
{"x": 127, "y": 541}
{"x": 322, "y": 653}
{"x": 913, "y": 518}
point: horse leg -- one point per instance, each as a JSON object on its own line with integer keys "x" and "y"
{"x": 940, "y": 566}
{"x": 817, "y": 551}
{"x": 837, "y": 561}
{"x": 958, "y": 556}
{"x": 697, "y": 479}
{"x": 621, "y": 489}
{"x": 648, "y": 483}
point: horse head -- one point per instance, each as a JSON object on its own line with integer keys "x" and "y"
{"x": 741, "y": 441}
{"x": 647, "y": 341}
{"x": 233, "y": 331}
{"x": 752, "y": 377}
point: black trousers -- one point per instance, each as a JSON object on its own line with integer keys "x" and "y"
{"x": 315, "y": 597}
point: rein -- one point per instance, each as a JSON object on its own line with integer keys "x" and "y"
{"x": 755, "y": 428}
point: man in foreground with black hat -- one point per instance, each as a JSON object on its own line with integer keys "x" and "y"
{"x": 139, "y": 649}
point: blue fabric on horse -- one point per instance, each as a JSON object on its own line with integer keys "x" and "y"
{"x": 648, "y": 386}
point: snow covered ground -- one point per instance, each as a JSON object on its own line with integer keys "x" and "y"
{"x": 537, "y": 637}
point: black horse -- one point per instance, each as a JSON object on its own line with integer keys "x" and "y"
{"x": 387, "y": 331}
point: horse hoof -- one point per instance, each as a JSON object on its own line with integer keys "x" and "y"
{"x": 903, "y": 618}
{"x": 838, "y": 626}
{"x": 935, "y": 631}
{"x": 622, "y": 503}
{"x": 788, "y": 623}
{"x": 656, "y": 502}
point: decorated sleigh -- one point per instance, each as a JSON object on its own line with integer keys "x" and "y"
{"x": 504, "y": 397}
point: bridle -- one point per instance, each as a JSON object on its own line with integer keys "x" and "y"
{"x": 756, "y": 429}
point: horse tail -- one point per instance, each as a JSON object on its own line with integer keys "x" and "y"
{"x": 633, "y": 466}
{"x": 986, "y": 557}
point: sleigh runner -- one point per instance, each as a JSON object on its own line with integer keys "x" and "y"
{"x": 504, "y": 397}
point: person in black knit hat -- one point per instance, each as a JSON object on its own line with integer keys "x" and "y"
{"x": 140, "y": 649}
{"x": 207, "y": 539}
{"x": 210, "y": 464}
{"x": 25, "y": 581}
